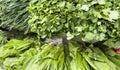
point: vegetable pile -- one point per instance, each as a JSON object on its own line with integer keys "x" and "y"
{"x": 89, "y": 20}
{"x": 25, "y": 55}
{"x": 14, "y": 14}
{"x": 60, "y": 34}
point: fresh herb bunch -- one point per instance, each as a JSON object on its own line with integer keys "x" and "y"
{"x": 91, "y": 20}
{"x": 14, "y": 14}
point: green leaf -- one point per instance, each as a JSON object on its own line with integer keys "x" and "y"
{"x": 89, "y": 36}
{"x": 102, "y": 65}
{"x": 85, "y": 7}
{"x": 70, "y": 6}
{"x": 110, "y": 43}
{"x": 114, "y": 15}
{"x": 102, "y": 2}
{"x": 69, "y": 36}
{"x": 117, "y": 44}
{"x": 62, "y": 4}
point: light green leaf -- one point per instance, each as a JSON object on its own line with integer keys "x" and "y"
{"x": 89, "y": 36}
{"x": 114, "y": 15}
{"x": 70, "y": 6}
{"x": 102, "y": 65}
{"x": 85, "y": 7}
{"x": 102, "y": 2}
{"x": 69, "y": 36}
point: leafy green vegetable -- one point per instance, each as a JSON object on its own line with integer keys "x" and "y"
{"x": 93, "y": 21}
{"x": 14, "y": 14}
{"x": 21, "y": 54}
{"x": 96, "y": 22}
{"x": 16, "y": 51}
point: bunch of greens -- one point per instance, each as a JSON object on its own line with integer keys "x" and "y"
{"x": 15, "y": 52}
{"x": 14, "y": 14}
{"x": 23, "y": 55}
{"x": 93, "y": 58}
{"x": 91, "y": 20}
